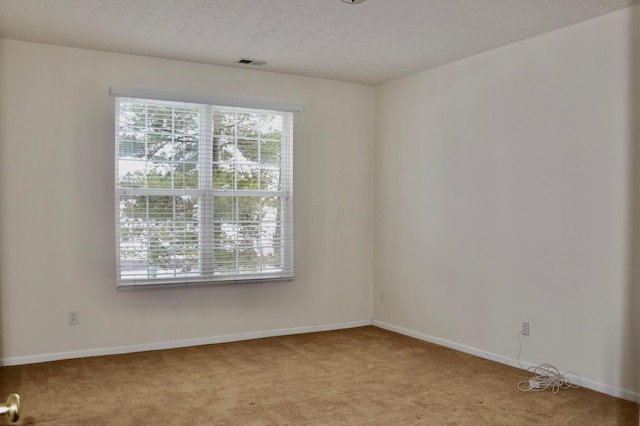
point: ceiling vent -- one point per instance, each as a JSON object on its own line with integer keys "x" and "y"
{"x": 251, "y": 62}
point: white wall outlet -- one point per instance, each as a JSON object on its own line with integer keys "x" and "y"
{"x": 381, "y": 296}
{"x": 525, "y": 328}
{"x": 74, "y": 318}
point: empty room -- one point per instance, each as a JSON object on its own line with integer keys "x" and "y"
{"x": 287, "y": 212}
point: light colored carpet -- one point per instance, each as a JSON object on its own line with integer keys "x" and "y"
{"x": 361, "y": 376}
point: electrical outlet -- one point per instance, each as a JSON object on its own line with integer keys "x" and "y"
{"x": 74, "y": 318}
{"x": 525, "y": 328}
{"x": 381, "y": 296}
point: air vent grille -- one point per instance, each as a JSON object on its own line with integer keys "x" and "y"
{"x": 246, "y": 61}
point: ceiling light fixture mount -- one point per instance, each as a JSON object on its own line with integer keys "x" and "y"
{"x": 353, "y": 1}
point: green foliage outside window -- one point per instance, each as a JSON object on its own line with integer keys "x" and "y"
{"x": 160, "y": 149}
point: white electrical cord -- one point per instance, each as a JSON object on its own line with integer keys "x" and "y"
{"x": 546, "y": 376}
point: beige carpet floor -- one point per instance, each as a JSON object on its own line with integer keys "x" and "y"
{"x": 361, "y": 376}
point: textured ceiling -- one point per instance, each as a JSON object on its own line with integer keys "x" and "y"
{"x": 370, "y": 43}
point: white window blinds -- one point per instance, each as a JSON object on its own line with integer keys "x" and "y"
{"x": 204, "y": 193}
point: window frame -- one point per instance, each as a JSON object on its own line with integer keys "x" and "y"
{"x": 207, "y": 194}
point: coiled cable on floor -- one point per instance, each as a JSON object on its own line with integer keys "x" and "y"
{"x": 546, "y": 376}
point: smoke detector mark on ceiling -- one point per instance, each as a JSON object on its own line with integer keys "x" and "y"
{"x": 246, "y": 61}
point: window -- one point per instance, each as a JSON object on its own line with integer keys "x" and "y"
{"x": 204, "y": 193}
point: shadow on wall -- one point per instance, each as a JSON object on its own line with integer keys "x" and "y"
{"x": 4, "y": 322}
{"x": 3, "y": 268}
{"x": 631, "y": 351}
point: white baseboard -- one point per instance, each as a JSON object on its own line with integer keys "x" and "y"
{"x": 32, "y": 359}
{"x": 587, "y": 383}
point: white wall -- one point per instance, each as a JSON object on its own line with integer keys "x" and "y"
{"x": 502, "y": 193}
{"x": 57, "y": 248}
